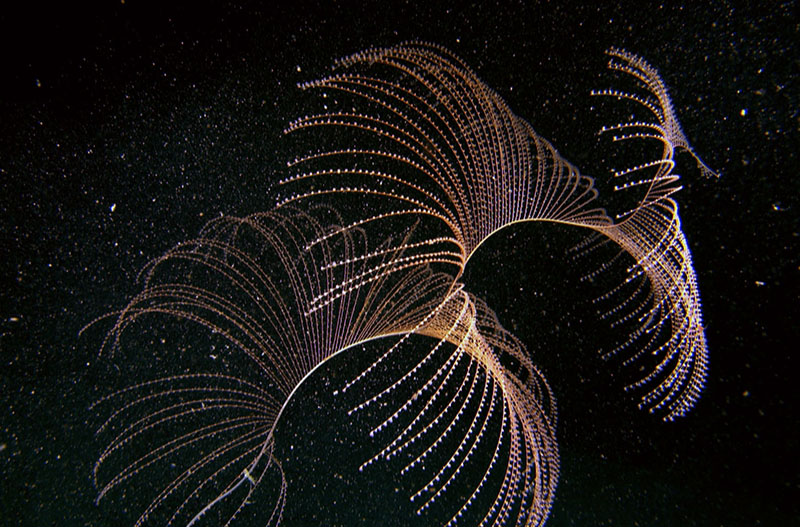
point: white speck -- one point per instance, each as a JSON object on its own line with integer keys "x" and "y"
{"x": 113, "y": 207}
{"x": 298, "y": 69}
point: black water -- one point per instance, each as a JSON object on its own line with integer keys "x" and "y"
{"x": 124, "y": 128}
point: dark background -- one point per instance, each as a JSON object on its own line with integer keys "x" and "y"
{"x": 125, "y": 127}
